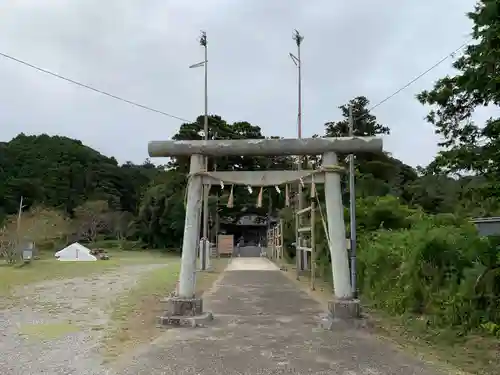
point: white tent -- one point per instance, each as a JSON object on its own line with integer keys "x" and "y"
{"x": 75, "y": 252}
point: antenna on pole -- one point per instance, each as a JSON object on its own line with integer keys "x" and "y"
{"x": 297, "y": 37}
{"x": 298, "y": 63}
{"x": 203, "y": 39}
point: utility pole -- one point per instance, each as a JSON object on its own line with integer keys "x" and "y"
{"x": 217, "y": 222}
{"x": 298, "y": 62}
{"x": 19, "y": 213}
{"x": 205, "y": 243}
{"x": 352, "y": 210}
{"x": 18, "y": 224}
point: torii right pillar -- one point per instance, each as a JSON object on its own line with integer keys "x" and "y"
{"x": 343, "y": 306}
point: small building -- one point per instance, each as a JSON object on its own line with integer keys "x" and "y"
{"x": 252, "y": 227}
{"x": 27, "y": 250}
{"x": 487, "y": 226}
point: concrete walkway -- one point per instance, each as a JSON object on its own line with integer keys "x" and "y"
{"x": 265, "y": 325}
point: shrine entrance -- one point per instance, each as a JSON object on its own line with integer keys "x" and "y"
{"x": 328, "y": 174}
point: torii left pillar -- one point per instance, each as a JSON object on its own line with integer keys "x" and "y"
{"x": 187, "y": 278}
{"x": 185, "y": 308}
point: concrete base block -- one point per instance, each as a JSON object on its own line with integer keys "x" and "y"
{"x": 180, "y": 306}
{"x": 345, "y": 309}
{"x": 181, "y": 311}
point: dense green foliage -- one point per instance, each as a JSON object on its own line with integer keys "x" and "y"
{"x": 63, "y": 173}
{"x": 468, "y": 146}
{"x": 435, "y": 266}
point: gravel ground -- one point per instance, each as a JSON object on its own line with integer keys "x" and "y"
{"x": 57, "y": 325}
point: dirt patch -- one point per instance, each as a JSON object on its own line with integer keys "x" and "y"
{"x": 56, "y": 325}
{"x": 140, "y": 329}
{"x": 134, "y": 312}
{"x": 206, "y": 280}
{"x": 138, "y": 326}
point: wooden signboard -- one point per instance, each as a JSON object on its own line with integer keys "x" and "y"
{"x": 225, "y": 244}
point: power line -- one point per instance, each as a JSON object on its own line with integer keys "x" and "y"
{"x": 451, "y": 54}
{"x": 88, "y": 87}
{"x": 92, "y": 88}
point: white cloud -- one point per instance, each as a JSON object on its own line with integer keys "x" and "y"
{"x": 141, "y": 50}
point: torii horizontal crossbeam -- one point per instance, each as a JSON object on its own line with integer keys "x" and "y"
{"x": 265, "y": 147}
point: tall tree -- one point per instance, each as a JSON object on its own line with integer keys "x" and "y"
{"x": 378, "y": 173}
{"x": 220, "y": 129}
{"x": 366, "y": 123}
{"x": 161, "y": 214}
{"x": 468, "y": 146}
{"x": 62, "y": 172}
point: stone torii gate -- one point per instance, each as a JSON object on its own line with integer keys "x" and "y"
{"x": 185, "y": 304}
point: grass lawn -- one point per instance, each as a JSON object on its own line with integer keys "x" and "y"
{"x": 134, "y": 316}
{"x": 473, "y": 354}
{"x": 49, "y": 268}
{"x": 47, "y": 331}
{"x": 134, "y": 313}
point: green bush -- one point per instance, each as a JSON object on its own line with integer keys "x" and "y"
{"x": 118, "y": 244}
{"x": 410, "y": 263}
{"x": 106, "y": 244}
{"x": 49, "y": 245}
{"x": 431, "y": 268}
{"x": 387, "y": 212}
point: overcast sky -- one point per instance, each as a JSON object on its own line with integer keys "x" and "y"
{"x": 141, "y": 50}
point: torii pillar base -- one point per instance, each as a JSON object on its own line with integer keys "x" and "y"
{"x": 344, "y": 309}
{"x": 342, "y": 313}
{"x": 187, "y": 312}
